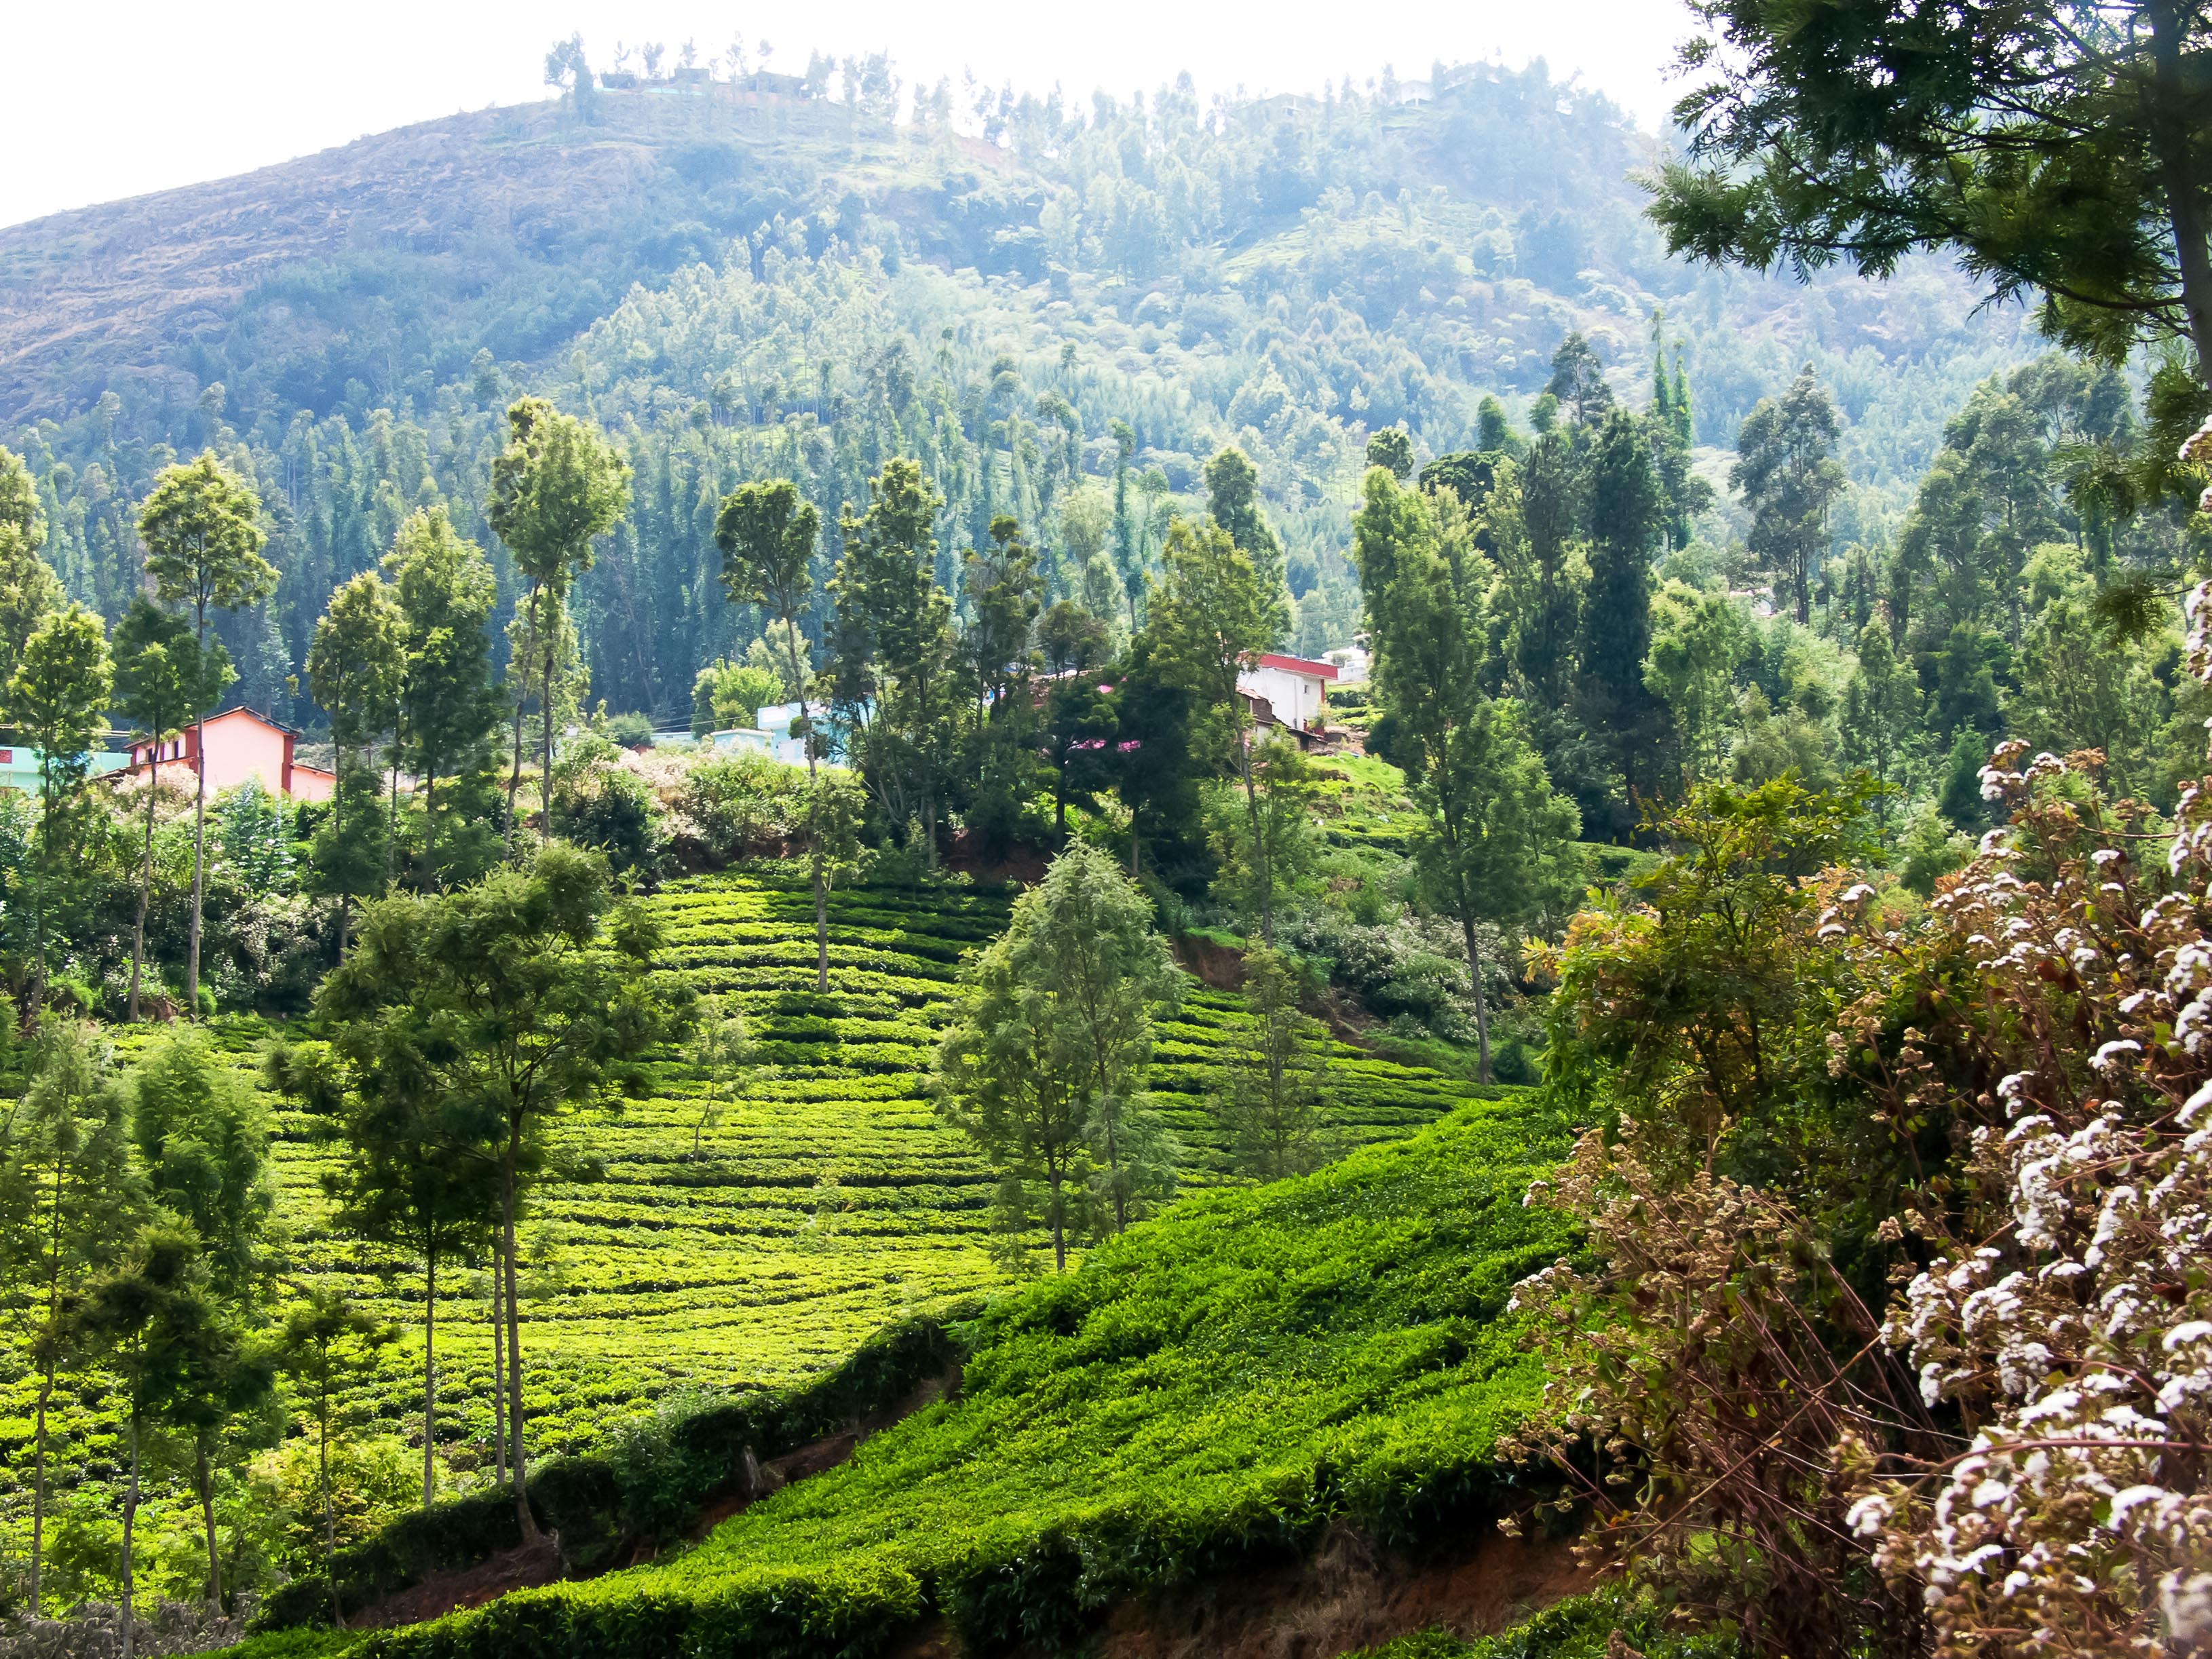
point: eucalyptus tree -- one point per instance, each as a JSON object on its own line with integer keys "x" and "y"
{"x": 767, "y": 534}
{"x": 448, "y": 706}
{"x": 200, "y": 525}
{"x": 68, "y": 1196}
{"x": 556, "y": 485}
{"x": 512, "y": 1000}
{"x": 352, "y": 670}
{"x": 163, "y": 679}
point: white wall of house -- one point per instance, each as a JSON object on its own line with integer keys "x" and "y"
{"x": 1296, "y": 698}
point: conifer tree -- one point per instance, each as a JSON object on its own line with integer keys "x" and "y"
{"x": 1626, "y": 515}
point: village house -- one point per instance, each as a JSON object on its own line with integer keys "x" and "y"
{"x": 236, "y": 745}
{"x": 19, "y": 767}
{"x": 1288, "y": 690}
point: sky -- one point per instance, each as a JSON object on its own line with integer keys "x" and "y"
{"x": 126, "y": 97}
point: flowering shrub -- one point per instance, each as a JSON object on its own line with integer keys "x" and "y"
{"x": 2014, "y": 1456}
{"x": 2063, "y": 1312}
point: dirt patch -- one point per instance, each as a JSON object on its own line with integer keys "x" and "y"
{"x": 1025, "y": 865}
{"x": 1215, "y": 965}
{"x": 523, "y": 1567}
{"x": 1347, "y": 1595}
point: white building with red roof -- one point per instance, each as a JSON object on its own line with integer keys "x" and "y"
{"x": 1293, "y": 688}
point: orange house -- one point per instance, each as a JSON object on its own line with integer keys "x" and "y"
{"x": 235, "y": 746}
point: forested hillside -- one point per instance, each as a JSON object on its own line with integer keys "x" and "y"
{"x": 792, "y": 285}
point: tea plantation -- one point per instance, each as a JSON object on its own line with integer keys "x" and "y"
{"x": 1213, "y": 1389}
{"x": 826, "y": 1199}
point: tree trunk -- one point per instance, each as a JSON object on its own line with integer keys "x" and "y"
{"x": 2171, "y": 137}
{"x": 338, "y": 843}
{"x": 38, "y": 1488}
{"x": 330, "y": 1525}
{"x": 391, "y": 820}
{"x": 498, "y": 1369}
{"x": 199, "y": 848}
{"x": 1267, "y": 876}
{"x": 524, "y": 1519}
{"x": 814, "y": 829}
{"x": 430, "y": 828}
{"x": 545, "y": 713}
{"x": 521, "y": 683}
{"x": 1481, "y": 1004}
{"x": 46, "y": 866}
{"x": 145, "y": 890}
{"x": 1059, "y": 1231}
{"x": 430, "y": 1375}
{"x": 45, "y": 1392}
{"x": 204, "y": 1478}
{"x": 130, "y": 1531}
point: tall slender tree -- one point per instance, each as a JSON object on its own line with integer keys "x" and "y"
{"x": 149, "y": 1315}
{"x": 200, "y": 525}
{"x": 57, "y": 699}
{"x": 1787, "y": 469}
{"x": 326, "y": 1343}
{"x": 28, "y": 587}
{"x": 163, "y": 680}
{"x": 203, "y": 1141}
{"x": 517, "y": 998}
{"x": 448, "y": 706}
{"x": 1213, "y": 616}
{"x": 894, "y": 660}
{"x": 1499, "y": 842}
{"x": 557, "y": 485}
{"x": 69, "y": 1198}
{"x": 353, "y": 669}
{"x": 767, "y": 535}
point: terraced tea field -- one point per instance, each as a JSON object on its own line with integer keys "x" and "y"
{"x": 826, "y": 1200}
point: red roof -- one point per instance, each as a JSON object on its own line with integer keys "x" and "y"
{"x": 1311, "y": 670}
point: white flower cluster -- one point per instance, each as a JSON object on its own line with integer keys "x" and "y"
{"x": 2077, "y": 1342}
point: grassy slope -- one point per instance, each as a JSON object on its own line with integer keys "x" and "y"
{"x": 829, "y": 1201}
{"x": 1211, "y": 1388}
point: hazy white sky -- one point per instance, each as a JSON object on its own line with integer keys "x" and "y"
{"x": 113, "y": 99}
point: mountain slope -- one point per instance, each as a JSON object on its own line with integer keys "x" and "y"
{"x": 738, "y": 285}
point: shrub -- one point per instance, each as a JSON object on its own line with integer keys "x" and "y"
{"x": 741, "y": 807}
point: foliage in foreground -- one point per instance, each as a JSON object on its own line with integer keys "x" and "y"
{"x": 1209, "y": 1390}
{"x": 1944, "y": 1391}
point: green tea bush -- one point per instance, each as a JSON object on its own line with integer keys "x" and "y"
{"x": 1212, "y": 1390}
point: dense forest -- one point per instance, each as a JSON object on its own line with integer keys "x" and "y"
{"x": 821, "y": 1072}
